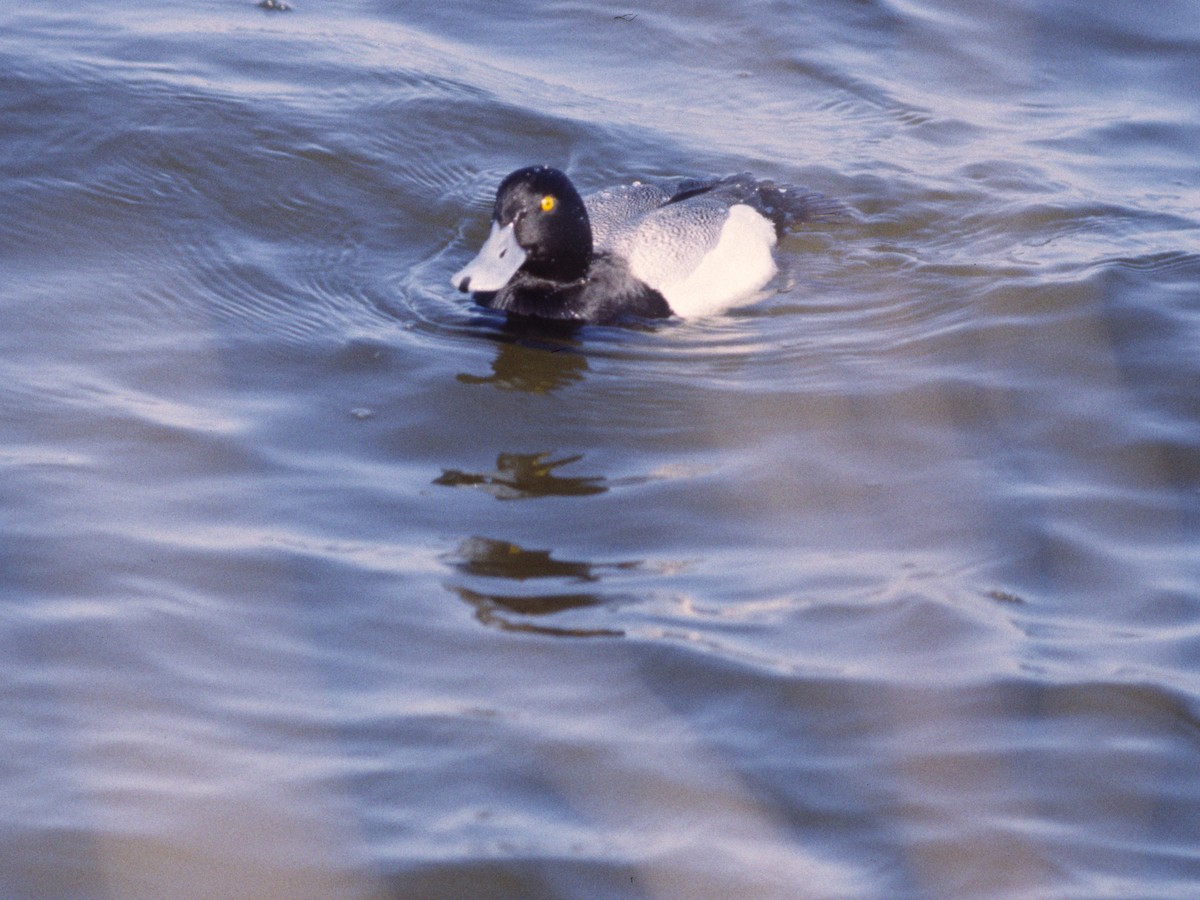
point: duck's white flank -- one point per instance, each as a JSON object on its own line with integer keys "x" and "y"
{"x": 738, "y": 265}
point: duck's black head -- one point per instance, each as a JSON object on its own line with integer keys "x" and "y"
{"x": 539, "y": 227}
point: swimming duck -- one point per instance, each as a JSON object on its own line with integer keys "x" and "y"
{"x": 634, "y": 250}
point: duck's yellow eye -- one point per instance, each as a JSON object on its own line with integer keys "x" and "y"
{"x": 548, "y": 203}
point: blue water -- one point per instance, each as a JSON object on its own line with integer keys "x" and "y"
{"x": 319, "y": 581}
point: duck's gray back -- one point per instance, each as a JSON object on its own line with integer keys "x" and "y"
{"x": 615, "y": 211}
{"x": 661, "y": 238}
{"x": 670, "y": 242}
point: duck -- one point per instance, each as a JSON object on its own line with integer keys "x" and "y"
{"x": 697, "y": 247}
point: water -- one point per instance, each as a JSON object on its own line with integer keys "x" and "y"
{"x": 320, "y": 582}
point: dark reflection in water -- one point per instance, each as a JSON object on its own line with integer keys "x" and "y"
{"x": 490, "y": 558}
{"x": 521, "y": 476}
{"x": 533, "y": 359}
{"x": 490, "y": 610}
{"x": 482, "y": 557}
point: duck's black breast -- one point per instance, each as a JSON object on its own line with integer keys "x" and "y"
{"x": 608, "y": 292}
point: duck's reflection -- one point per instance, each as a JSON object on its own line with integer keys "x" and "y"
{"x": 491, "y": 610}
{"x": 534, "y": 358}
{"x": 520, "y": 476}
{"x": 482, "y": 557}
{"x": 490, "y": 558}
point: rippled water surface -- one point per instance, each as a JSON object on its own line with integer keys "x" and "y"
{"x": 320, "y": 582}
